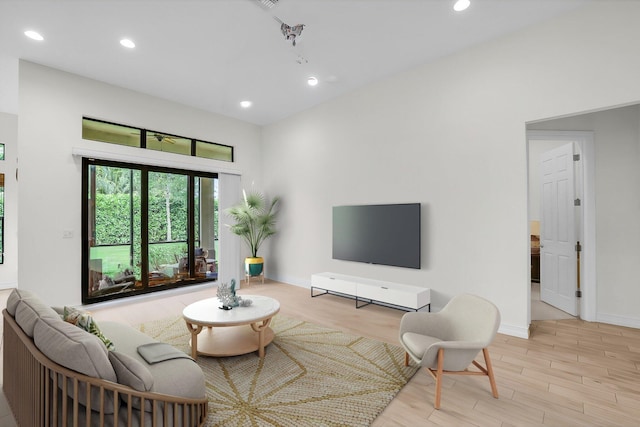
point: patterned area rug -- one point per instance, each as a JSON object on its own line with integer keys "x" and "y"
{"x": 310, "y": 376}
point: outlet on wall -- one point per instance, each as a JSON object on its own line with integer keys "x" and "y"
{"x": 67, "y": 234}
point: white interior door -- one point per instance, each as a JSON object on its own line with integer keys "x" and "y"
{"x": 558, "y": 278}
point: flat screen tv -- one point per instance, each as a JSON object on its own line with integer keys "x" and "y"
{"x": 378, "y": 234}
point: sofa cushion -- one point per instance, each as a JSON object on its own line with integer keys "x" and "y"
{"x": 80, "y": 351}
{"x": 73, "y": 348}
{"x": 84, "y": 320}
{"x": 130, "y": 371}
{"x": 177, "y": 377}
{"x": 29, "y": 309}
{"x": 14, "y": 298}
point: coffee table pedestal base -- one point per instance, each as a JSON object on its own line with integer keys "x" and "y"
{"x": 230, "y": 340}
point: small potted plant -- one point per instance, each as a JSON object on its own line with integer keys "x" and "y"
{"x": 255, "y": 221}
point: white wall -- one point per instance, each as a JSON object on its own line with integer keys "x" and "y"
{"x": 617, "y": 150}
{"x": 52, "y": 104}
{"x": 9, "y": 137}
{"x": 452, "y": 136}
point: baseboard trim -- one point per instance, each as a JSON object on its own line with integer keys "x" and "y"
{"x": 514, "y": 331}
{"x": 302, "y": 283}
{"x": 8, "y": 285}
{"x": 614, "y": 319}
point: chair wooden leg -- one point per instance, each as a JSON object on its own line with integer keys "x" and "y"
{"x": 406, "y": 359}
{"x": 492, "y": 380}
{"x": 439, "y": 376}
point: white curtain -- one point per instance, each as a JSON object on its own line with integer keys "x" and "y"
{"x": 229, "y": 194}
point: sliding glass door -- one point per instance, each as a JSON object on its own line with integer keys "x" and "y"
{"x": 146, "y": 229}
{"x": 168, "y": 227}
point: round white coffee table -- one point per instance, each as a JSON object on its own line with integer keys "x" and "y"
{"x": 232, "y": 332}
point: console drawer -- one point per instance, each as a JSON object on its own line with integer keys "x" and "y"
{"x": 332, "y": 283}
{"x": 412, "y": 298}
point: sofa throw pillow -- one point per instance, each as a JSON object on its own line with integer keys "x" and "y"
{"x": 130, "y": 371}
{"x": 135, "y": 374}
{"x": 84, "y": 320}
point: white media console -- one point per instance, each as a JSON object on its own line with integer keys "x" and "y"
{"x": 371, "y": 291}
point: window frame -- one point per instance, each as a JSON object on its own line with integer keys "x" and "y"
{"x": 142, "y": 142}
{"x": 144, "y": 230}
{"x": 4, "y": 193}
{"x": 3, "y": 190}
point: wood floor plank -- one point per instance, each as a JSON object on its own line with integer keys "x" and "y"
{"x": 513, "y": 367}
{"x": 618, "y": 380}
{"x": 614, "y": 385}
{"x": 522, "y": 382}
{"x": 553, "y": 375}
{"x": 630, "y": 401}
{"x": 612, "y": 414}
{"x": 515, "y": 412}
{"x": 608, "y": 407}
{"x": 560, "y": 419}
{"x": 554, "y": 355}
{"x": 611, "y": 360}
{"x": 580, "y": 393}
{"x": 526, "y": 363}
{"x": 549, "y": 402}
{"x": 586, "y": 344}
{"x": 449, "y": 417}
{"x": 579, "y": 368}
{"x": 529, "y": 345}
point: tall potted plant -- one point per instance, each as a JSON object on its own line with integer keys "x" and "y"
{"x": 255, "y": 221}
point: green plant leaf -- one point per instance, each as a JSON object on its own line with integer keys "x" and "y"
{"x": 253, "y": 221}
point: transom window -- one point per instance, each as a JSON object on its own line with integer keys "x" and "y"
{"x": 113, "y": 133}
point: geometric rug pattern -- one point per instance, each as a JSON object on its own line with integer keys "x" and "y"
{"x": 310, "y": 376}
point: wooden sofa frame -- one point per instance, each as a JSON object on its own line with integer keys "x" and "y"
{"x": 32, "y": 381}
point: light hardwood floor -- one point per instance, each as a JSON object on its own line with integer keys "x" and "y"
{"x": 569, "y": 373}
{"x": 543, "y": 311}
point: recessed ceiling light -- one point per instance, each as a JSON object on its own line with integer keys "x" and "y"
{"x": 461, "y": 5}
{"x": 127, "y": 43}
{"x": 34, "y": 35}
{"x": 312, "y": 81}
{"x": 245, "y": 104}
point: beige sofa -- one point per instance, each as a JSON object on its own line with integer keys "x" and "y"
{"x": 57, "y": 374}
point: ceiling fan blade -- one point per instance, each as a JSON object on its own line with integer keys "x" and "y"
{"x": 267, "y": 4}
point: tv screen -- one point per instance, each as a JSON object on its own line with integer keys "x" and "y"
{"x": 378, "y": 234}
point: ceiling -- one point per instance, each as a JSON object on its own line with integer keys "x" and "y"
{"x": 212, "y": 54}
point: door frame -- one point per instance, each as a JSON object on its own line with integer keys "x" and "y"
{"x": 587, "y": 222}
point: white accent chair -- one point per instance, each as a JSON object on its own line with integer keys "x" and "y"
{"x": 448, "y": 341}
